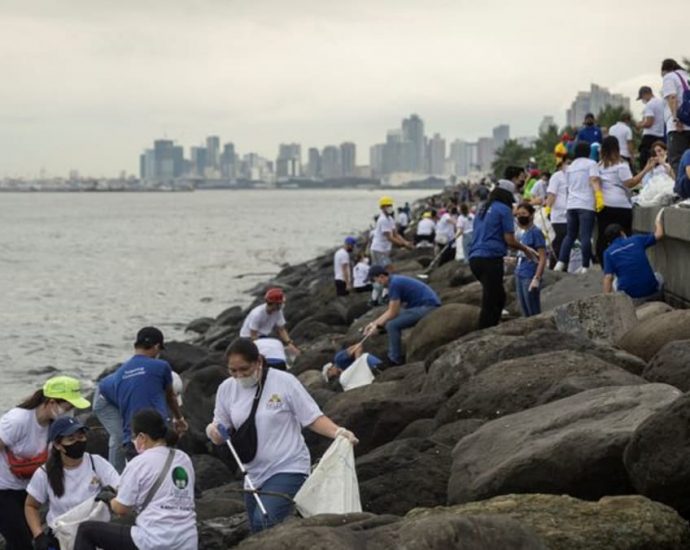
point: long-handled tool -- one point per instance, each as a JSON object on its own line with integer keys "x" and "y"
{"x": 425, "y": 274}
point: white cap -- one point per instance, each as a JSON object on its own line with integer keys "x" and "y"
{"x": 324, "y": 371}
{"x": 507, "y": 185}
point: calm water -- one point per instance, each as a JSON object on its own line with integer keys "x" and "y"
{"x": 80, "y": 273}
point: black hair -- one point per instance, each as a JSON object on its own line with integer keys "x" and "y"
{"x": 610, "y": 152}
{"x": 454, "y": 211}
{"x": 582, "y": 150}
{"x": 670, "y": 65}
{"x": 244, "y": 347}
{"x": 611, "y": 233}
{"x": 527, "y": 206}
{"x": 34, "y": 400}
{"x": 626, "y": 116}
{"x": 546, "y": 174}
{"x": 151, "y": 423}
{"x": 464, "y": 209}
{"x": 590, "y": 115}
{"x": 55, "y": 471}
{"x": 497, "y": 195}
{"x": 512, "y": 172}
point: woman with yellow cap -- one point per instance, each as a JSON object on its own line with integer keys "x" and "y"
{"x": 24, "y": 449}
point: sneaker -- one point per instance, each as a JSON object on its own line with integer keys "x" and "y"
{"x": 560, "y": 266}
{"x": 582, "y": 271}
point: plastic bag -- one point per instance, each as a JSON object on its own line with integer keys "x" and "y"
{"x": 356, "y": 375}
{"x": 658, "y": 191}
{"x": 65, "y": 526}
{"x": 543, "y": 223}
{"x": 332, "y": 487}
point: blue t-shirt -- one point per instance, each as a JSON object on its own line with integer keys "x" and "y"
{"x": 590, "y": 134}
{"x": 141, "y": 383}
{"x": 411, "y": 292}
{"x": 534, "y": 238}
{"x": 627, "y": 260}
{"x": 487, "y": 240}
{"x": 682, "y": 186}
{"x": 344, "y": 360}
{"x": 108, "y": 388}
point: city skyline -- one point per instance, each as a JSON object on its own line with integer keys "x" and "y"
{"x": 105, "y": 79}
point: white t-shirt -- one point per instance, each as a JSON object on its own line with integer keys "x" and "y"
{"x": 169, "y": 521}
{"x": 384, "y": 224}
{"x": 539, "y": 190}
{"x": 81, "y": 483}
{"x": 670, "y": 86}
{"x": 25, "y": 437}
{"x": 465, "y": 224}
{"x": 654, "y": 108}
{"x": 623, "y": 134}
{"x": 580, "y": 192}
{"x": 271, "y": 348}
{"x": 285, "y": 408}
{"x": 360, "y": 275}
{"x": 341, "y": 258}
{"x": 446, "y": 228}
{"x": 262, "y": 321}
{"x": 558, "y": 186}
{"x": 426, "y": 226}
{"x": 403, "y": 219}
{"x": 615, "y": 193}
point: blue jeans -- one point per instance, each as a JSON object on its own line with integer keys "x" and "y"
{"x": 530, "y": 303}
{"x": 466, "y": 244}
{"x": 406, "y": 318}
{"x": 580, "y": 224}
{"x": 109, "y": 416}
{"x": 278, "y": 508}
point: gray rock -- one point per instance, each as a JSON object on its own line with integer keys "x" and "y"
{"x": 182, "y": 356}
{"x": 200, "y": 325}
{"x": 210, "y": 472}
{"x": 220, "y": 533}
{"x": 651, "y": 310}
{"x": 671, "y": 365}
{"x": 571, "y": 288}
{"x": 604, "y": 317}
{"x": 443, "y": 325}
{"x": 647, "y": 338}
{"x": 312, "y": 380}
{"x": 450, "y": 434}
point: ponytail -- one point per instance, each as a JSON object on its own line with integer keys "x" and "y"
{"x": 32, "y": 402}
{"x": 56, "y": 472}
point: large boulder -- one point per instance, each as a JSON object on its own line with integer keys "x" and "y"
{"x": 443, "y": 325}
{"x": 671, "y": 365}
{"x": 566, "y": 523}
{"x": 658, "y": 456}
{"x": 210, "y": 472}
{"x": 650, "y": 310}
{"x": 647, "y": 338}
{"x": 573, "y": 446}
{"x": 199, "y": 395}
{"x": 182, "y": 356}
{"x": 518, "y": 384}
{"x": 220, "y": 533}
{"x": 571, "y": 288}
{"x": 604, "y": 317}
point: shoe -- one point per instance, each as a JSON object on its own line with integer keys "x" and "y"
{"x": 560, "y": 266}
{"x": 582, "y": 271}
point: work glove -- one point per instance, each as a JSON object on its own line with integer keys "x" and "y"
{"x": 534, "y": 285}
{"x": 547, "y": 211}
{"x": 46, "y": 541}
{"x": 347, "y": 434}
{"x": 106, "y": 494}
{"x": 598, "y": 201}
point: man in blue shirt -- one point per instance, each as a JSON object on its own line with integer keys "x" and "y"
{"x": 682, "y": 186}
{"x": 590, "y": 132}
{"x": 418, "y": 299}
{"x": 626, "y": 259}
{"x": 145, "y": 382}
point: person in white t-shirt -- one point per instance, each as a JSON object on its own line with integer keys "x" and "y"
{"x": 342, "y": 267}
{"x": 584, "y": 200}
{"x": 623, "y": 133}
{"x": 675, "y": 83}
{"x": 659, "y": 161}
{"x": 165, "y": 515}
{"x": 425, "y": 234}
{"x": 24, "y": 449}
{"x": 538, "y": 191}
{"x": 70, "y": 477}
{"x": 403, "y": 220}
{"x": 616, "y": 182}
{"x": 266, "y": 318}
{"x": 652, "y": 123}
{"x": 273, "y": 351}
{"x": 280, "y": 462}
{"x": 556, "y": 204}
{"x": 445, "y": 236}
{"x": 464, "y": 228}
{"x": 385, "y": 234}
{"x": 360, "y": 274}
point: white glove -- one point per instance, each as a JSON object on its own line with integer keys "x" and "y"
{"x": 347, "y": 434}
{"x": 534, "y": 284}
{"x": 213, "y": 434}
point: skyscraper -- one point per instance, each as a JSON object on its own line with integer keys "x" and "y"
{"x": 545, "y": 124}
{"x": 289, "y": 162}
{"x": 437, "y": 155}
{"x": 228, "y": 162}
{"x": 313, "y": 163}
{"x": 486, "y": 153}
{"x": 501, "y": 134}
{"x": 593, "y": 101}
{"x": 348, "y": 158}
{"x": 199, "y": 160}
{"x": 461, "y": 156}
{"x": 413, "y": 131}
{"x": 213, "y": 152}
{"x": 330, "y": 162}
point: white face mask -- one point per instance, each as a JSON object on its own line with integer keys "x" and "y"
{"x": 249, "y": 381}
{"x": 389, "y": 210}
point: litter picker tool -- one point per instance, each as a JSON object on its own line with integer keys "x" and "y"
{"x": 425, "y": 274}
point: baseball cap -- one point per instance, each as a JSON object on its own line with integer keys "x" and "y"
{"x": 64, "y": 426}
{"x": 66, "y": 388}
{"x": 351, "y": 241}
{"x": 507, "y": 185}
{"x": 375, "y": 271}
{"x": 149, "y": 337}
{"x": 274, "y": 296}
{"x": 342, "y": 359}
{"x": 643, "y": 90}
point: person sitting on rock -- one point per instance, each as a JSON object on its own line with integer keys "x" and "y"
{"x": 267, "y": 317}
{"x": 273, "y": 352}
{"x": 625, "y": 259}
{"x": 426, "y": 231}
{"x": 419, "y": 300}
{"x": 344, "y": 359}
{"x": 360, "y": 274}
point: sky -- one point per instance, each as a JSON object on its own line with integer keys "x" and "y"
{"x": 89, "y": 84}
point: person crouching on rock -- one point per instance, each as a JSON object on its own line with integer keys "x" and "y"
{"x": 419, "y": 300}
{"x": 158, "y": 484}
{"x": 266, "y": 318}
{"x": 274, "y": 406}
{"x": 70, "y": 477}
{"x": 343, "y": 360}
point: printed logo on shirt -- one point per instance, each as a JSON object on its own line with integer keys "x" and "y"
{"x": 275, "y": 402}
{"x": 180, "y": 477}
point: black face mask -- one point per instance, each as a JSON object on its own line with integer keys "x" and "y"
{"x": 76, "y": 450}
{"x": 523, "y": 220}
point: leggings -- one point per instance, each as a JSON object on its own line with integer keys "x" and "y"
{"x": 107, "y": 536}
{"x": 489, "y": 272}
{"x": 13, "y": 527}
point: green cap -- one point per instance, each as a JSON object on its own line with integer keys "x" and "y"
{"x": 67, "y": 389}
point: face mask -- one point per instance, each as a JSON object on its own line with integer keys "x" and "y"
{"x": 388, "y": 210}
{"x": 377, "y": 286}
{"x": 76, "y": 449}
{"x": 249, "y": 381}
{"x": 523, "y": 220}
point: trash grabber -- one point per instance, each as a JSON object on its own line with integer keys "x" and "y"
{"x": 425, "y": 274}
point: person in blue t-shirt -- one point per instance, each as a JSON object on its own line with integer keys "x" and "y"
{"x": 418, "y": 298}
{"x": 626, "y": 260}
{"x": 493, "y": 232}
{"x": 105, "y": 409}
{"x": 590, "y": 132}
{"x": 145, "y": 382}
{"x": 682, "y": 187}
{"x": 528, "y": 272}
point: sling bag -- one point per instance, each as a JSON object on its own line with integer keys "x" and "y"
{"x": 244, "y": 439}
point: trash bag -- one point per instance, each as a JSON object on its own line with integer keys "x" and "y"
{"x": 357, "y": 374}
{"x": 543, "y": 223}
{"x": 658, "y": 191}
{"x": 65, "y": 526}
{"x": 332, "y": 487}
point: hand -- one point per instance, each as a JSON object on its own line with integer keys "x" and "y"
{"x": 531, "y": 254}
{"x": 293, "y": 349}
{"x": 213, "y": 433}
{"x": 106, "y": 494}
{"x": 180, "y": 425}
{"x": 679, "y": 126}
{"x": 370, "y": 329}
{"x": 347, "y": 434}
{"x": 44, "y": 541}
{"x": 534, "y": 285}
{"x": 598, "y": 201}
{"x": 409, "y": 245}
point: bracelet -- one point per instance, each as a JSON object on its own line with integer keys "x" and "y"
{"x": 288, "y": 343}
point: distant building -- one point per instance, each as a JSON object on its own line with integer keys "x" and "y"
{"x": 486, "y": 153}
{"x": 213, "y": 152}
{"x": 593, "y": 101}
{"x": 331, "y": 162}
{"x": 436, "y": 155}
{"x": 289, "y": 162}
{"x": 228, "y": 161}
{"x": 348, "y": 159}
{"x": 164, "y": 162}
{"x": 376, "y": 159}
{"x": 461, "y": 157}
{"x": 199, "y": 160}
{"x": 526, "y": 141}
{"x": 254, "y": 167}
{"x": 545, "y": 124}
{"x": 413, "y": 131}
{"x": 501, "y": 134}
{"x": 313, "y": 163}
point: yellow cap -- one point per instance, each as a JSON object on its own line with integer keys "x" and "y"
{"x": 385, "y": 201}
{"x": 66, "y": 388}
{"x": 426, "y": 215}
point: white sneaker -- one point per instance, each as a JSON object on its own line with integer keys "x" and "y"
{"x": 560, "y": 266}
{"x": 582, "y": 271}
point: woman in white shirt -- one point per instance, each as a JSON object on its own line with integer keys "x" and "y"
{"x": 660, "y": 165}
{"x": 70, "y": 477}
{"x": 556, "y": 200}
{"x": 158, "y": 484}
{"x": 616, "y": 181}
{"x": 464, "y": 228}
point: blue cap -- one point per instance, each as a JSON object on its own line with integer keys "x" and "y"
{"x": 376, "y": 270}
{"x": 351, "y": 241}
{"x": 342, "y": 359}
{"x": 64, "y": 426}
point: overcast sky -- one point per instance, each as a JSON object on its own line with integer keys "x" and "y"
{"x": 88, "y": 84}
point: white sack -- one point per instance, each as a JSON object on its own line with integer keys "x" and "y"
{"x": 65, "y": 526}
{"x": 658, "y": 191}
{"x": 356, "y": 375}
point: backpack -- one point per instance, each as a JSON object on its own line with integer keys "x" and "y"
{"x": 683, "y": 112}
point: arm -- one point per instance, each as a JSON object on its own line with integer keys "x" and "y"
{"x": 541, "y": 266}
{"x": 646, "y": 122}
{"x": 608, "y": 284}
{"x": 659, "y": 225}
{"x": 253, "y": 334}
{"x": 287, "y": 341}
{"x": 393, "y": 237}
{"x": 345, "y": 268}
{"x": 513, "y": 243}
{"x": 637, "y": 178}
{"x": 119, "y": 509}
{"x": 550, "y": 199}
{"x": 324, "y": 426}
{"x": 178, "y": 420}
{"x": 390, "y": 313}
{"x": 32, "y": 512}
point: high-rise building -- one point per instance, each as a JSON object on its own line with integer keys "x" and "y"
{"x": 331, "y": 162}
{"x": 501, "y": 134}
{"x": 199, "y": 160}
{"x": 460, "y": 155}
{"x": 545, "y": 124}
{"x": 486, "y": 153}
{"x": 289, "y": 162}
{"x": 437, "y": 155}
{"x": 348, "y": 159}
{"x": 593, "y": 101}
{"x": 376, "y": 159}
{"x": 228, "y": 161}
{"x": 413, "y": 131}
{"x": 213, "y": 152}
{"x": 313, "y": 163}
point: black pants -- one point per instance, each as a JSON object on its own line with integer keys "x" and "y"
{"x": 489, "y": 272}
{"x": 447, "y": 254}
{"x": 13, "y": 525}
{"x": 609, "y": 216}
{"x": 677, "y": 142}
{"x": 365, "y": 288}
{"x": 561, "y": 230}
{"x": 646, "y": 149}
{"x": 341, "y": 288}
{"x": 108, "y": 536}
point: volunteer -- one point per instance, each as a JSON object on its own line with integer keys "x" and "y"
{"x": 556, "y": 201}
{"x": 464, "y": 228}
{"x": 279, "y": 462}
{"x": 273, "y": 351}
{"x": 343, "y": 267}
{"x": 157, "y": 485}
{"x": 344, "y": 359}
{"x": 528, "y": 272}
{"x": 445, "y": 236}
{"x": 268, "y": 317}
{"x": 70, "y": 477}
{"x": 385, "y": 234}
{"x": 109, "y": 416}
{"x": 426, "y": 231}
{"x": 360, "y": 274}
{"x": 24, "y": 448}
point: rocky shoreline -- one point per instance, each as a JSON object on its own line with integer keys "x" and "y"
{"x": 563, "y": 431}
